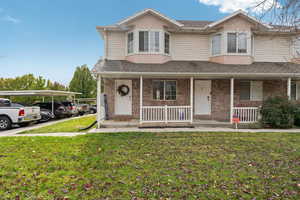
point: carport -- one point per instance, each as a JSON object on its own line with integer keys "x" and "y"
{"x": 42, "y": 93}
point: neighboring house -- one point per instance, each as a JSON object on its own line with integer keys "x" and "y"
{"x": 157, "y": 69}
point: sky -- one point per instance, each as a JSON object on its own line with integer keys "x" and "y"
{"x": 50, "y": 38}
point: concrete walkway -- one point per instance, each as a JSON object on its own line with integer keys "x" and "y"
{"x": 198, "y": 129}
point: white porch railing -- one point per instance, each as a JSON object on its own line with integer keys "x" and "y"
{"x": 166, "y": 114}
{"x": 246, "y": 114}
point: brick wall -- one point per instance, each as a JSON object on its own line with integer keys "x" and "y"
{"x": 220, "y": 95}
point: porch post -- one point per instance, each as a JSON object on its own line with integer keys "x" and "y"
{"x": 192, "y": 98}
{"x": 231, "y": 98}
{"x": 141, "y": 99}
{"x": 99, "y": 101}
{"x": 289, "y": 83}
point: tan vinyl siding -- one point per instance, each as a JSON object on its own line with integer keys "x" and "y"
{"x": 189, "y": 47}
{"x": 116, "y": 45}
{"x": 271, "y": 49}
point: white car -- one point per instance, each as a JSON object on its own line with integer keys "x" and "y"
{"x": 17, "y": 114}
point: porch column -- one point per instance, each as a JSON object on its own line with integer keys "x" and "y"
{"x": 231, "y": 98}
{"x": 99, "y": 101}
{"x": 192, "y": 98}
{"x": 289, "y": 83}
{"x": 141, "y": 99}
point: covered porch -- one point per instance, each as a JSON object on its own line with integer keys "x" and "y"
{"x": 222, "y": 94}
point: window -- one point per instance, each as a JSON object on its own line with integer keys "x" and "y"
{"x": 216, "y": 44}
{"x": 143, "y": 41}
{"x": 167, "y": 43}
{"x": 251, "y": 90}
{"x": 130, "y": 43}
{"x": 149, "y": 41}
{"x": 164, "y": 90}
{"x": 295, "y": 90}
{"x": 236, "y": 43}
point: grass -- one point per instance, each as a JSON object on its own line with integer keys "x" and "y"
{"x": 151, "y": 166}
{"x": 72, "y": 125}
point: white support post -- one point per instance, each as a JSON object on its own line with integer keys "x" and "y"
{"x": 141, "y": 99}
{"x": 231, "y": 99}
{"x": 192, "y": 98}
{"x": 99, "y": 101}
{"x": 289, "y": 83}
{"x": 52, "y": 105}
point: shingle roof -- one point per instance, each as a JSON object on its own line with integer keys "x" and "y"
{"x": 197, "y": 67}
{"x": 194, "y": 23}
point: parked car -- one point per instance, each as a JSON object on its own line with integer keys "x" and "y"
{"x": 71, "y": 107}
{"x": 46, "y": 115}
{"x": 93, "y": 109}
{"x": 11, "y": 113}
{"x": 83, "y": 109}
{"x": 60, "y": 111}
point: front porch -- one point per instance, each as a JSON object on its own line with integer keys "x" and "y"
{"x": 224, "y": 100}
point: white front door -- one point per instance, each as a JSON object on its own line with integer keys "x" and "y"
{"x": 123, "y": 103}
{"x": 202, "y": 97}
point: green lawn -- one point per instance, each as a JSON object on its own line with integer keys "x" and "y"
{"x": 72, "y": 125}
{"x": 151, "y": 166}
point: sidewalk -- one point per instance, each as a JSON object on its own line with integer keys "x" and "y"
{"x": 198, "y": 129}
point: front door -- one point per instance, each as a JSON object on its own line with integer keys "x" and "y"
{"x": 123, "y": 97}
{"x": 202, "y": 97}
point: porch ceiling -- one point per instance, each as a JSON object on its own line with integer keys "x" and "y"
{"x": 201, "y": 69}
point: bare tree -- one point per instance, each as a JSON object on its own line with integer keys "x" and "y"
{"x": 283, "y": 14}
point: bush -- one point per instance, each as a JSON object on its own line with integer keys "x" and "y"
{"x": 278, "y": 112}
{"x": 297, "y": 115}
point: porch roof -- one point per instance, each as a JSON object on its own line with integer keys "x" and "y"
{"x": 197, "y": 68}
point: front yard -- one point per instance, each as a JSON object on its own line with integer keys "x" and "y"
{"x": 151, "y": 166}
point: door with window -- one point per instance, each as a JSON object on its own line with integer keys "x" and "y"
{"x": 123, "y": 97}
{"x": 202, "y": 97}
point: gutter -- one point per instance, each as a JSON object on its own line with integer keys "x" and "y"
{"x": 203, "y": 74}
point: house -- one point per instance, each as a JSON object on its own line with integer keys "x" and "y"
{"x": 160, "y": 70}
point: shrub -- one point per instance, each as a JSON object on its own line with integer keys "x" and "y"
{"x": 277, "y": 112}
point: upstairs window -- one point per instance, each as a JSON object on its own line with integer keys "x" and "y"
{"x": 251, "y": 90}
{"x": 216, "y": 45}
{"x": 130, "y": 43}
{"x": 167, "y": 43}
{"x": 236, "y": 43}
{"x": 149, "y": 41}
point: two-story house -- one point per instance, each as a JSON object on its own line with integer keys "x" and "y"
{"x": 157, "y": 69}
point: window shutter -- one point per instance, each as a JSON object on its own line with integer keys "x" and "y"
{"x": 256, "y": 90}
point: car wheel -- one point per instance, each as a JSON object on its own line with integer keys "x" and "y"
{"x": 92, "y": 112}
{"x": 5, "y": 123}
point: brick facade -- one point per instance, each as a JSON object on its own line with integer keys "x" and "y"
{"x": 220, "y": 96}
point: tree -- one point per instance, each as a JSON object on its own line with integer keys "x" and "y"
{"x": 83, "y": 82}
{"x": 280, "y": 12}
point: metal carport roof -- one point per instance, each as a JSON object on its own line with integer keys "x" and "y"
{"x": 37, "y": 93}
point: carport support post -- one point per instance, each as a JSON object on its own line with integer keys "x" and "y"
{"x": 52, "y": 104}
{"x": 289, "y": 86}
{"x": 99, "y": 101}
{"x": 231, "y": 99}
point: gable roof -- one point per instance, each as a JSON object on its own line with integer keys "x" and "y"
{"x": 239, "y": 12}
{"x": 151, "y": 11}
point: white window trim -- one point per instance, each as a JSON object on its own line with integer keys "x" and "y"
{"x": 221, "y": 49}
{"x": 160, "y": 41}
{"x": 248, "y": 35}
{"x": 163, "y": 48}
{"x": 164, "y": 99}
{"x": 126, "y": 49}
{"x": 250, "y": 94}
